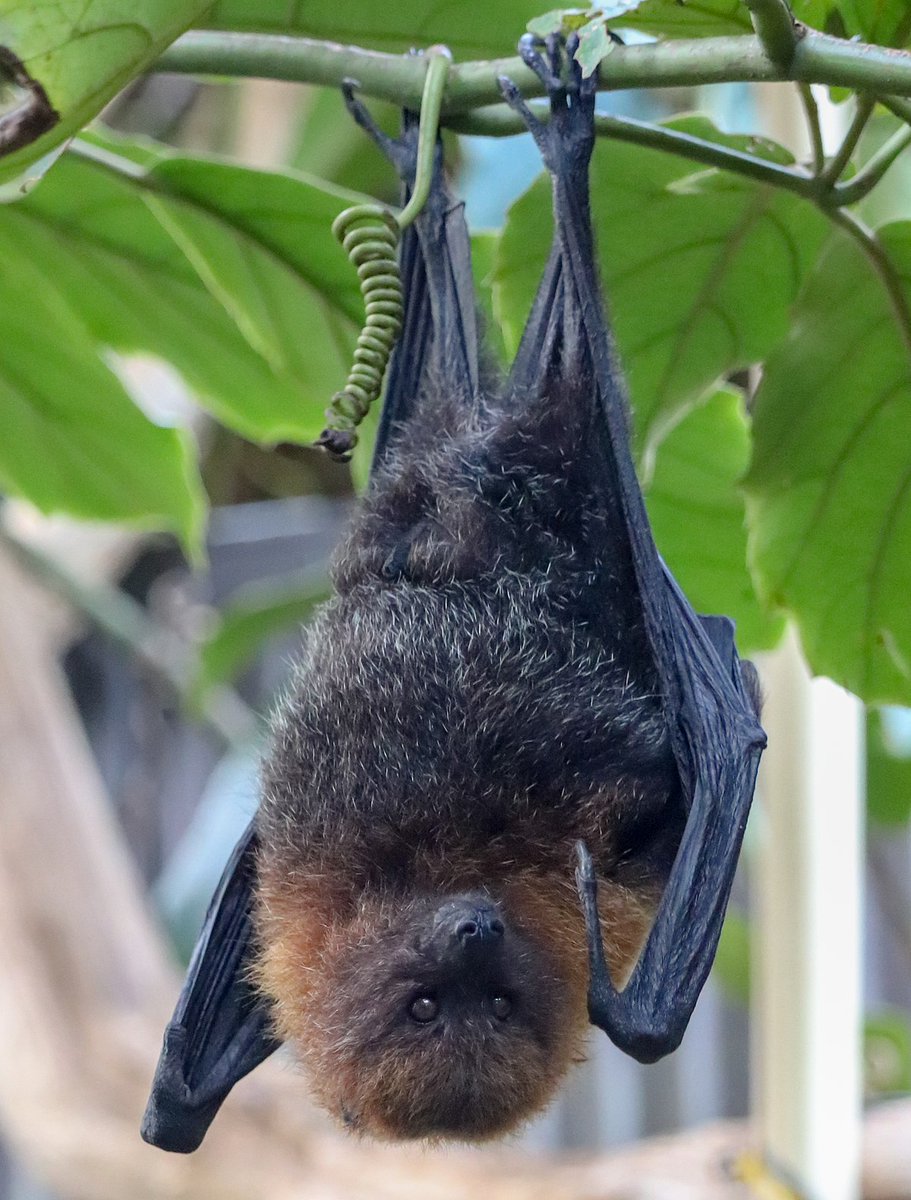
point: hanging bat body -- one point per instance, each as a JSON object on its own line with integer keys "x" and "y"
{"x": 506, "y": 682}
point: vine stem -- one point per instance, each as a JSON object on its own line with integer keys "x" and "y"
{"x": 816, "y": 58}
{"x": 832, "y": 172}
{"x": 811, "y": 109}
{"x": 776, "y": 29}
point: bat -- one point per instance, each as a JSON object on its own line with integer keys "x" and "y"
{"x": 506, "y": 795}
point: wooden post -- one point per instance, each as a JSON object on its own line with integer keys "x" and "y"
{"x": 808, "y": 1008}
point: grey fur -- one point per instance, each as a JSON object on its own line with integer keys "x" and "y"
{"x": 480, "y": 675}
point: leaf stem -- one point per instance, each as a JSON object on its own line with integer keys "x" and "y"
{"x": 500, "y": 121}
{"x": 872, "y": 172}
{"x": 838, "y": 162}
{"x": 810, "y": 108}
{"x": 776, "y": 29}
{"x": 898, "y": 105}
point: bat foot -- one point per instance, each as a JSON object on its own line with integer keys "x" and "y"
{"x": 567, "y": 140}
{"x": 402, "y": 152}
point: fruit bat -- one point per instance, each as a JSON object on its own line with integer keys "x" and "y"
{"x": 506, "y": 794}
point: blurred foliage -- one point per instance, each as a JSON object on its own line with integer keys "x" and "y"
{"x": 887, "y": 1054}
{"x": 889, "y": 766}
{"x": 254, "y": 614}
{"x": 732, "y": 961}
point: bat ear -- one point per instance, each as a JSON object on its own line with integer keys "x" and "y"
{"x": 221, "y": 1028}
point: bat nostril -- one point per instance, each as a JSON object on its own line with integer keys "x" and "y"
{"x": 483, "y": 926}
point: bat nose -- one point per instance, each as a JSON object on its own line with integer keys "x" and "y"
{"x": 482, "y": 927}
{"x": 469, "y": 925}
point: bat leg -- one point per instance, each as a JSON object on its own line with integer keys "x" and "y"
{"x": 360, "y": 114}
{"x": 567, "y": 140}
{"x": 402, "y": 152}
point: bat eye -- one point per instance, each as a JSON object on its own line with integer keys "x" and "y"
{"x": 502, "y": 1007}
{"x": 423, "y": 1009}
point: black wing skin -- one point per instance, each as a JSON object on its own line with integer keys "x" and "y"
{"x": 439, "y": 338}
{"x": 220, "y": 1029}
{"x": 711, "y": 710}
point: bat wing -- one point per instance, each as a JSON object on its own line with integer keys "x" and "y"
{"x": 710, "y": 706}
{"x": 220, "y": 1029}
{"x": 439, "y": 337}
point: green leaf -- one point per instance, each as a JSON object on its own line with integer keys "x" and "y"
{"x": 828, "y": 491}
{"x": 471, "y": 28}
{"x": 71, "y": 439}
{"x": 329, "y": 145}
{"x": 484, "y": 246}
{"x": 255, "y": 614}
{"x": 231, "y": 275}
{"x": 885, "y": 22}
{"x": 700, "y": 269}
{"x": 890, "y": 200}
{"x": 594, "y": 46}
{"x": 561, "y": 20}
{"x": 81, "y": 54}
{"x": 689, "y": 18}
{"x": 888, "y": 766}
{"x": 732, "y": 960}
{"x": 697, "y": 516}
{"x": 711, "y": 18}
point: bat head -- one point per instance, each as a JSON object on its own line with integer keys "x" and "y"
{"x": 438, "y": 1019}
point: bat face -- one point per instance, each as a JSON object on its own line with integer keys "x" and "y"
{"x": 431, "y": 1018}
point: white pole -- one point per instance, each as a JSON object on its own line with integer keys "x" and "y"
{"x": 808, "y": 880}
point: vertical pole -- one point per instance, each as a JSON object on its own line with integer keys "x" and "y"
{"x": 808, "y": 1004}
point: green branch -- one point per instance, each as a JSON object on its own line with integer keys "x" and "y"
{"x": 874, "y": 169}
{"x": 832, "y": 172}
{"x": 815, "y": 58}
{"x": 776, "y": 29}
{"x": 500, "y": 121}
{"x": 811, "y": 111}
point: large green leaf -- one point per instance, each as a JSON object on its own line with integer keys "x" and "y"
{"x": 70, "y": 437}
{"x": 700, "y": 269}
{"x": 712, "y": 18}
{"x": 231, "y": 275}
{"x": 696, "y": 18}
{"x": 81, "y": 54}
{"x": 885, "y": 22}
{"x": 697, "y": 515}
{"x": 471, "y": 28}
{"x": 830, "y": 484}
